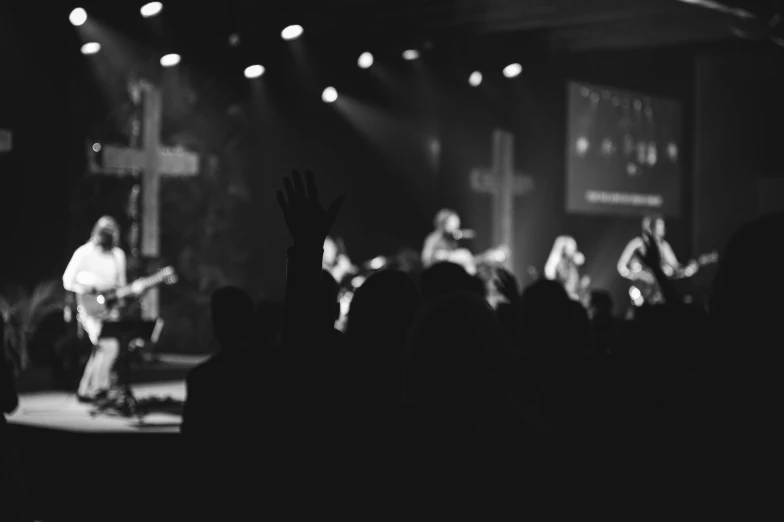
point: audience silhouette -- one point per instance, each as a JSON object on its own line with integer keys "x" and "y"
{"x": 433, "y": 397}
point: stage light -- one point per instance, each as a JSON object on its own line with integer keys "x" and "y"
{"x": 96, "y": 147}
{"x": 329, "y": 95}
{"x": 91, "y": 48}
{"x": 475, "y": 80}
{"x": 234, "y": 40}
{"x": 78, "y": 16}
{"x": 512, "y": 70}
{"x": 411, "y": 54}
{"x": 170, "y": 60}
{"x": 254, "y": 71}
{"x": 291, "y": 32}
{"x": 365, "y": 60}
{"x": 151, "y": 9}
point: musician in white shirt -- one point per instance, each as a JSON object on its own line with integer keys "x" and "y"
{"x": 96, "y": 266}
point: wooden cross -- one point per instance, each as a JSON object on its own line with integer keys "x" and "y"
{"x": 503, "y": 183}
{"x": 153, "y": 161}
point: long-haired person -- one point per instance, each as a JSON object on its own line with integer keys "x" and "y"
{"x": 97, "y": 266}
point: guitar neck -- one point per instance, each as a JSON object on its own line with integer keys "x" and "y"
{"x": 142, "y": 284}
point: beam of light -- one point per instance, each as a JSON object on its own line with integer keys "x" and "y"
{"x": 329, "y": 95}
{"x": 254, "y": 71}
{"x": 151, "y": 9}
{"x": 475, "y": 80}
{"x": 512, "y": 70}
{"x": 365, "y": 60}
{"x": 78, "y": 16}
{"x": 170, "y": 60}
{"x": 291, "y": 32}
{"x": 410, "y": 54}
{"x": 91, "y": 48}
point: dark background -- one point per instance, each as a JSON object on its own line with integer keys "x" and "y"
{"x": 375, "y": 145}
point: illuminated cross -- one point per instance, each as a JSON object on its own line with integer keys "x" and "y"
{"x": 153, "y": 161}
{"x": 503, "y": 184}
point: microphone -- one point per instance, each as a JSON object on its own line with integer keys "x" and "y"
{"x": 464, "y": 234}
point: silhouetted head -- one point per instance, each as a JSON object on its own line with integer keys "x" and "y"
{"x": 601, "y": 303}
{"x": 447, "y": 221}
{"x": 746, "y": 300}
{"x": 443, "y": 278}
{"x": 232, "y": 319}
{"x": 382, "y": 311}
{"x": 106, "y": 233}
{"x": 547, "y": 316}
{"x": 654, "y": 225}
{"x": 328, "y": 295}
{"x": 457, "y": 353}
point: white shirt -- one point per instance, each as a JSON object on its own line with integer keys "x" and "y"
{"x": 92, "y": 266}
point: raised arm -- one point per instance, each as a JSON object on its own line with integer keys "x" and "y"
{"x": 627, "y": 255}
{"x": 556, "y": 254}
{"x": 308, "y": 224}
{"x": 429, "y": 250}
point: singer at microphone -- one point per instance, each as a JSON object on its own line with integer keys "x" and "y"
{"x": 443, "y": 240}
{"x": 465, "y": 233}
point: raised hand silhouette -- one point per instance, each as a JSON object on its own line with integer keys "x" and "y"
{"x": 306, "y": 219}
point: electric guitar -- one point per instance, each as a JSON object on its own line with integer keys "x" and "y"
{"x": 645, "y": 288}
{"x": 101, "y": 304}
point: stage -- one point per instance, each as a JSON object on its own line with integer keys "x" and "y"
{"x": 83, "y": 467}
{"x": 62, "y": 411}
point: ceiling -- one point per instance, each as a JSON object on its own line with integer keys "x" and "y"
{"x": 574, "y": 25}
{"x": 565, "y": 24}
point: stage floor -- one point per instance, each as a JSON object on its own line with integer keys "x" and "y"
{"x": 62, "y": 411}
{"x": 43, "y": 408}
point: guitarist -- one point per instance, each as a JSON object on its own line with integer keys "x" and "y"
{"x": 632, "y": 267}
{"x": 96, "y": 266}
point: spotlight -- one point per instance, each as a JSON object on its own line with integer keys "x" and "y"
{"x": 512, "y": 70}
{"x": 78, "y": 16}
{"x": 170, "y": 60}
{"x": 475, "y": 80}
{"x": 234, "y": 40}
{"x": 151, "y": 9}
{"x": 365, "y": 60}
{"x": 91, "y": 48}
{"x": 329, "y": 95}
{"x": 411, "y": 54}
{"x": 96, "y": 147}
{"x": 254, "y": 71}
{"x": 291, "y": 32}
